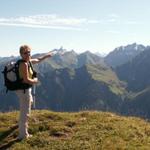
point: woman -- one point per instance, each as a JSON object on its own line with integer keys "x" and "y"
{"x": 25, "y": 96}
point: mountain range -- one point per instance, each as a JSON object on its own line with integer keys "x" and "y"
{"x": 123, "y": 54}
{"x": 118, "y": 82}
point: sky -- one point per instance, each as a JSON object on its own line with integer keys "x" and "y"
{"x": 79, "y": 25}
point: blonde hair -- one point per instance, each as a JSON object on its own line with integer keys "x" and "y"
{"x": 24, "y": 48}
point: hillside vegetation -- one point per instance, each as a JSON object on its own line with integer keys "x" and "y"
{"x": 106, "y": 75}
{"x": 90, "y": 130}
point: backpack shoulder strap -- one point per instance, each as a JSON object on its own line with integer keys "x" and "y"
{"x": 30, "y": 64}
{"x": 34, "y": 72}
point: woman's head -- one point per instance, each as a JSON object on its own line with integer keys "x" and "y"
{"x": 25, "y": 52}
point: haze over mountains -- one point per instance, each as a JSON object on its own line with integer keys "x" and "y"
{"x": 118, "y": 82}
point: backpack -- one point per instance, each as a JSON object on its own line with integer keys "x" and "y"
{"x": 12, "y": 81}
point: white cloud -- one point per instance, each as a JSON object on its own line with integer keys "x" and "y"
{"x": 51, "y": 21}
{"x": 41, "y": 26}
{"x": 118, "y": 20}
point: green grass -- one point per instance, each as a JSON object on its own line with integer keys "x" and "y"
{"x": 107, "y": 76}
{"x": 89, "y": 130}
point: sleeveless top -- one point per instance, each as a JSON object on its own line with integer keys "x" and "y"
{"x": 30, "y": 71}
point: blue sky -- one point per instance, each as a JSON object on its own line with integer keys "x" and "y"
{"x": 95, "y": 25}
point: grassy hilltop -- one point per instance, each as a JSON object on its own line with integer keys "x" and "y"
{"x": 88, "y": 130}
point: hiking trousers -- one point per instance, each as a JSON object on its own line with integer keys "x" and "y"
{"x": 25, "y": 99}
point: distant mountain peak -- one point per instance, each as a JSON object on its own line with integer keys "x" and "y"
{"x": 132, "y": 47}
{"x": 87, "y": 53}
{"x": 61, "y": 49}
{"x": 123, "y": 54}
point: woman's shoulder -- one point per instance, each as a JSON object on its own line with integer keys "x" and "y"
{"x": 23, "y": 64}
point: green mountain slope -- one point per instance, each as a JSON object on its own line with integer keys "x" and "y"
{"x": 93, "y": 87}
{"x": 105, "y": 74}
{"x": 76, "y": 131}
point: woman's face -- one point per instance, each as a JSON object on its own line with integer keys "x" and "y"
{"x": 26, "y": 54}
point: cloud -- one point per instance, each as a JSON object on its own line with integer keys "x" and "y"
{"x": 40, "y": 26}
{"x": 115, "y": 18}
{"x": 50, "y": 21}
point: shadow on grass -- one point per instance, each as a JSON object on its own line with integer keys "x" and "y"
{"x": 7, "y": 138}
{"x": 7, "y": 145}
